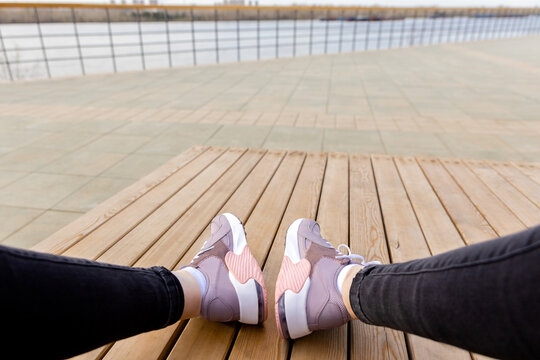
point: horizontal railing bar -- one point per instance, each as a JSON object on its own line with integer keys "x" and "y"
{"x": 254, "y": 8}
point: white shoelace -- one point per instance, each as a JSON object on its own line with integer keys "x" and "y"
{"x": 354, "y": 257}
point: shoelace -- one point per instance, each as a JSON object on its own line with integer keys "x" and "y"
{"x": 354, "y": 257}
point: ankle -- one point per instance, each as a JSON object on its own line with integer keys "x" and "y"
{"x": 192, "y": 294}
{"x": 346, "y": 288}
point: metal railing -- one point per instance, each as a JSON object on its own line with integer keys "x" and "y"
{"x": 45, "y": 40}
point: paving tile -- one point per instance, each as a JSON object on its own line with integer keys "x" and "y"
{"x": 143, "y": 128}
{"x": 353, "y": 141}
{"x": 18, "y": 138}
{"x": 7, "y": 177}
{"x": 13, "y": 218}
{"x": 65, "y": 140}
{"x": 40, "y": 191}
{"x": 135, "y": 166}
{"x": 92, "y": 194}
{"x": 99, "y": 126}
{"x": 40, "y": 228}
{"x": 168, "y": 144}
{"x": 201, "y": 132}
{"x": 82, "y": 162}
{"x": 294, "y": 138}
{"x": 238, "y": 135}
{"x": 404, "y": 139}
{"x": 115, "y": 143}
{"x": 28, "y": 158}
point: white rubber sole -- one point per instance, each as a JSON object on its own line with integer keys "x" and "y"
{"x": 239, "y": 236}
{"x": 294, "y": 304}
{"x": 249, "y": 297}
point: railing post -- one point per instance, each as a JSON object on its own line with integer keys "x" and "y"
{"x": 111, "y": 43}
{"x": 423, "y": 28}
{"x": 76, "y": 32}
{"x": 277, "y": 34}
{"x": 355, "y": 27}
{"x": 402, "y": 36}
{"x": 432, "y": 23}
{"x": 42, "y": 43}
{"x": 499, "y": 24}
{"x": 467, "y": 27}
{"x": 193, "y": 45}
{"x": 441, "y": 28}
{"x": 366, "y": 43}
{"x": 237, "y": 35}
{"x": 341, "y": 32}
{"x": 311, "y": 33}
{"x": 379, "y": 34}
{"x": 391, "y": 31}
{"x": 411, "y": 40}
{"x": 216, "y": 36}
{"x": 453, "y": 21}
{"x": 6, "y": 59}
{"x": 258, "y": 34}
{"x": 141, "y": 45}
{"x": 294, "y": 33}
{"x": 508, "y": 23}
{"x": 326, "y": 32}
{"x": 168, "y": 37}
{"x": 530, "y": 24}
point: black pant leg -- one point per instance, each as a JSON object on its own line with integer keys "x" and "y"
{"x": 484, "y": 297}
{"x": 53, "y": 306}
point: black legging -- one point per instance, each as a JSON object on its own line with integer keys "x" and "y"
{"x": 484, "y": 298}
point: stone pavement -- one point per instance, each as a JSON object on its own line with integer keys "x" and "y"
{"x": 67, "y": 144}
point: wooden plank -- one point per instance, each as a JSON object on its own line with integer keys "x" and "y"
{"x": 367, "y": 238}
{"x": 261, "y": 227}
{"x": 101, "y": 239}
{"x": 406, "y": 242}
{"x": 264, "y": 342}
{"x": 526, "y": 185}
{"x": 241, "y": 203}
{"x": 333, "y": 217}
{"x": 472, "y": 226}
{"x": 492, "y": 208}
{"x": 75, "y": 231}
{"x": 439, "y": 231}
{"x": 520, "y": 205}
{"x": 531, "y": 170}
{"x": 168, "y": 227}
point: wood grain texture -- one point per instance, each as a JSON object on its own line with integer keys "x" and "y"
{"x": 468, "y": 220}
{"x": 440, "y": 233}
{"x": 387, "y": 208}
{"x": 333, "y": 218}
{"x": 518, "y": 203}
{"x": 367, "y": 238}
{"x": 525, "y": 184}
{"x": 199, "y": 332}
{"x": 264, "y": 342}
{"x": 502, "y": 219}
{"x": 406, "y": 242}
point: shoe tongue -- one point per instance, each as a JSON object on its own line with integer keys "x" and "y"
{"x": 312, "y": 232}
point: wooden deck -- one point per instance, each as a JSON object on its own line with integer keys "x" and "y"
{"x": 386, "y": 208}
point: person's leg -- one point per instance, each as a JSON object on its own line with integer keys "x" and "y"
{"x": 54, "y": 306}
{"x": 484, "y": 297}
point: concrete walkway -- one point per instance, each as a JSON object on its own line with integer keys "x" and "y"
{"x": 68, "y": 144}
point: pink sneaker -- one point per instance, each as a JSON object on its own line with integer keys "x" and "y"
{"x": 307, "y": 294}
{"x": 233, "y": 279}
